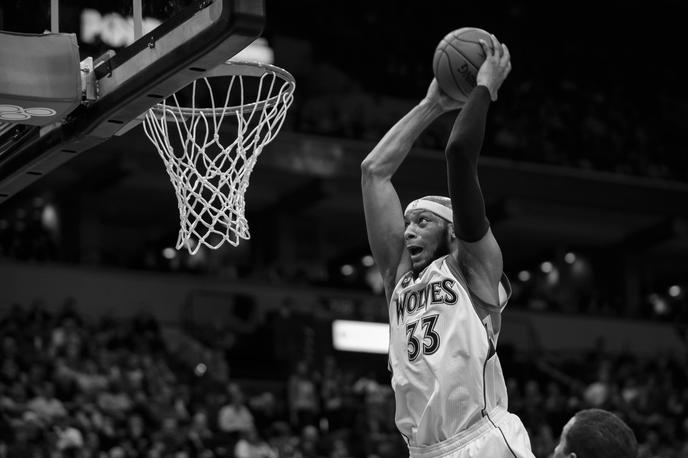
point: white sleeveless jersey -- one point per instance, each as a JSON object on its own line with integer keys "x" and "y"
{"x": 445, "y": 373}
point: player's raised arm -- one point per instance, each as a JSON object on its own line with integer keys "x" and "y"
{"x": 383, "y": 212}
{"x": 478, "y": 251}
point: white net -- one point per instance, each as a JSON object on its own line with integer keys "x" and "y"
{"x": 209, "y": 175}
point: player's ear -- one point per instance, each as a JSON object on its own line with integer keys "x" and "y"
{"x": 450, "y": 231}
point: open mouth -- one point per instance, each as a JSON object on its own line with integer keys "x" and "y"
{"x": 415, "y": 250}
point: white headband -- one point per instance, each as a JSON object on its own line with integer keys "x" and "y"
{"x": 429, "y": 205}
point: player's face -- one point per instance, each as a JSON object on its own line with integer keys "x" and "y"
{"x": 426, "y": 238}
{"x": 561, "y": 446}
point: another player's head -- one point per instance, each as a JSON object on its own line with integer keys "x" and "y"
{"x": 429, "y": 229}
{"x": 596, "y": 433}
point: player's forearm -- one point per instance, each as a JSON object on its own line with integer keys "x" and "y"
{"x": 467, "y": 135}
{"x": 463, "y": 150}
{"x": 393, "y": 148}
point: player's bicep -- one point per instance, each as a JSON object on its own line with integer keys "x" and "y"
{"x": 385, "y": 226}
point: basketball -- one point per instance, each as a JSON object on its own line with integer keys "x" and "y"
{"x": 457, "y": 59}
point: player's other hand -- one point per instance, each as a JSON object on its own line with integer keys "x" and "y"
{"x": 436, "y": 96}
{"x": 496, "y": 67}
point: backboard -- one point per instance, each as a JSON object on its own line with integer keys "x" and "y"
{"x": 117, "y": 87}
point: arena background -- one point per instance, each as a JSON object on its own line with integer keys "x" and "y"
{"x": 116, "y": 345}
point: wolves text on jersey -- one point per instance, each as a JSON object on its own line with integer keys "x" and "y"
{"x": 412, "y": 302}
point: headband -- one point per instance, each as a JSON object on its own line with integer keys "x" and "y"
{"x": 429, "y": 205}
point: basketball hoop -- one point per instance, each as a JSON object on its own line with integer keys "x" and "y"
{"x": 209, "y": 177}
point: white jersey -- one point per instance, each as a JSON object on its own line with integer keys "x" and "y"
{"x": 445, "y": 372}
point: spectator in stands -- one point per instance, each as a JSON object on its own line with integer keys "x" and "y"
{"x": 310, "y": 445}
{"x": 199, "y": 436}
{"x": 532, "y": 403}
{"x": 108, "y": 434}
{"x": 339, "y": 449}
{"x": 282, "y": 440}
{"x": 27, "y": 441}
{"x": 169, "y": 434}
{"x": 597, "y": 393}
{"x": 69, "y": 439}
{"x": 138, "y": 434}
{"x": 332, "y": 394}
{"x": 653, "y": 446}
{"x": 9, "y": 371}
{"x": 265, "y": 410}
{"x": 45, "y": 405}
{"x": 251, "y": 445}
{"x": 115, "y": 401}
{"x": 235, "y": 417}
{"x": 596, "y": 433}
{"x": 302, "y": 394}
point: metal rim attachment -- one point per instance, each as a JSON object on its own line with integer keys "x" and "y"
{"x": 232, "y": 68}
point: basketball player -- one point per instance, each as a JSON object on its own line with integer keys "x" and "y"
{"x": 596, "y": 433}
{"x": 442, "y": 271}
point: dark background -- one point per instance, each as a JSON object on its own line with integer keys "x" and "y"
{"x": 585, "y": 153}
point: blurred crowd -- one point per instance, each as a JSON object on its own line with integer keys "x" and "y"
{"x": 561, "y": 122}
{"x": 71, "y": 387}
{"x": 649, "y": 393}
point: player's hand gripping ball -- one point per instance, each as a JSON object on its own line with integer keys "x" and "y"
{"x": 457, "y": 59}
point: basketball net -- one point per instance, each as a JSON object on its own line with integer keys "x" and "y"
{"x": 210, "y": 177}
